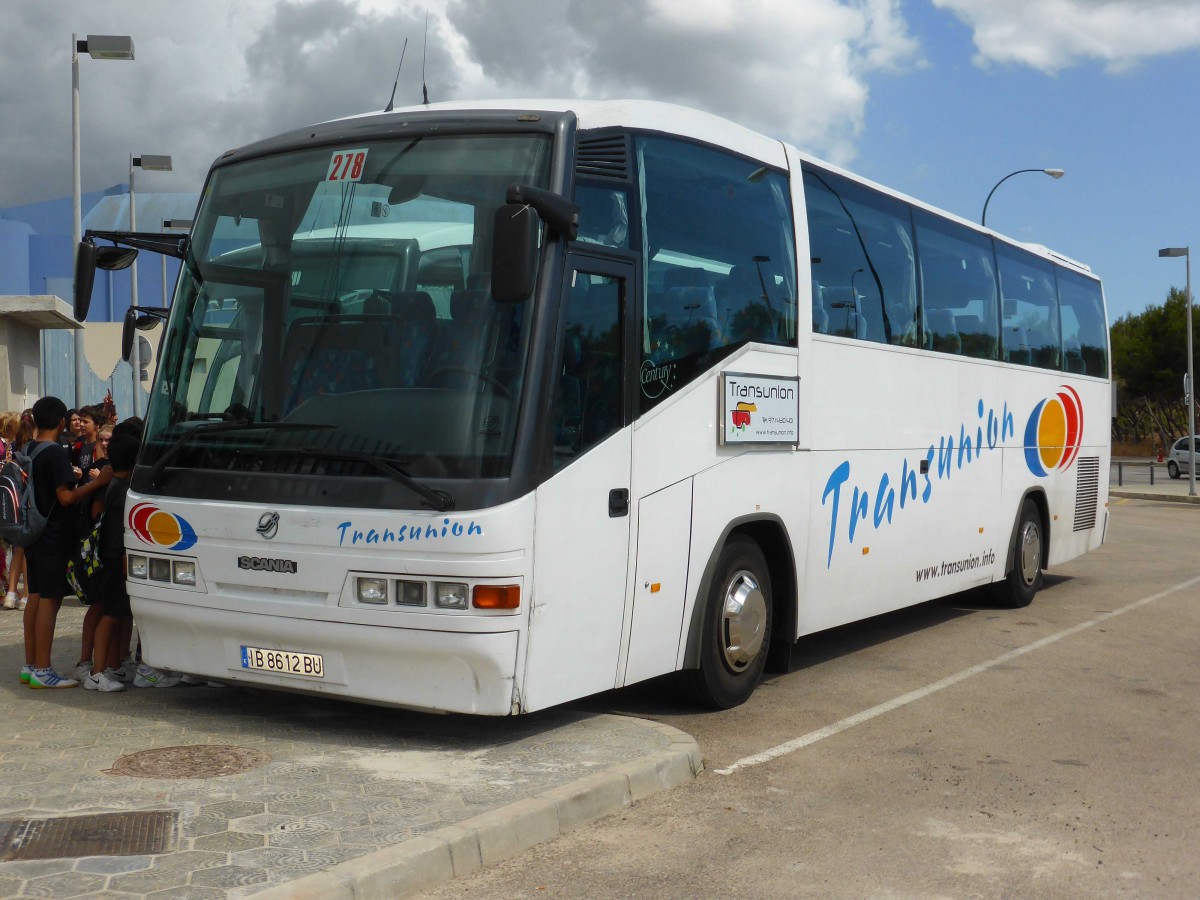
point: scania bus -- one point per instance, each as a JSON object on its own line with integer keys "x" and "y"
{"x": 486, "y": 407}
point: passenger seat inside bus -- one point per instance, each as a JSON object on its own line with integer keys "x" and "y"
{"x": 742, "y": 313}
{"x": 417, "y": 318}
{"x": 942, "y": 331}
{"x": 843, "y": 306}
{"x": 337, "y": 355}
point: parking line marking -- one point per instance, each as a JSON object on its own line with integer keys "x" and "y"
{"x": 912, "y": 696}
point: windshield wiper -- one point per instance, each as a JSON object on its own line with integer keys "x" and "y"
{"x": 213, "y": 427}
{"x": 439, "y": 500}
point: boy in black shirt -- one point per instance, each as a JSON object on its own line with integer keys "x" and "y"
{"x": 110, "y": 587}
{"x": 47, "y": 556}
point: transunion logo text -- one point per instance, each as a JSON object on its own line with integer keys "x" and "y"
{"x": 880, "y": 507}
{"x": 408, "y": 533}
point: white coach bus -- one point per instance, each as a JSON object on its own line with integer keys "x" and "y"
{"x": 486, "y": 407}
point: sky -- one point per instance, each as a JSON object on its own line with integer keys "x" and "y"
{"x": 939, "y": 99}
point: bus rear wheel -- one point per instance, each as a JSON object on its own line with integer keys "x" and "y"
{"x": 737, "y": 628}
{"x": 1022, "y": 583}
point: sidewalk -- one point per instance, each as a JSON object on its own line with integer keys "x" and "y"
{"x": 254, "y": 793}
{"x": 1137, "y": 483}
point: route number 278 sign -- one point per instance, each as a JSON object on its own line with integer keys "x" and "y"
{"x": 347, "y": 165}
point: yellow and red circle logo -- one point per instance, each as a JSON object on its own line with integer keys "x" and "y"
{"x": 1054, "y": 432}
{"x": 161, "y": 528}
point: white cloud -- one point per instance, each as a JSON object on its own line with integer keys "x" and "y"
{"x": 214, "y": 74}
{"x": 796, "y": 69}
{"x": 1050, "y": 35}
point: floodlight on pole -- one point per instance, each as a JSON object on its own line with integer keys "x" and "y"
{"x": 97, "y": 46}
{"x": 1185, "y": 252}
{"x": 1053, "y": 173}
{"x": 149, "y": 163}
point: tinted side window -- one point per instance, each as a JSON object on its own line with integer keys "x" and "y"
{"x": 863, "y": 262}
{"x": 1029, "y": 298}
{"x": 719, "y": 260}
{"x": 958, "y": 288}
{"x": 1085, "y": 332}
{"x": 587, "y": 406}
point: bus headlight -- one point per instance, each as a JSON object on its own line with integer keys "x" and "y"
{"x": 450, "y": 595}
{"x": 371, "y": 590}
{"x": 183, "y": 572}
{"x": 139, "y": 566}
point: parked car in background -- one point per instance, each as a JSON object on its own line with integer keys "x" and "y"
{"x": 1179, "y": 456}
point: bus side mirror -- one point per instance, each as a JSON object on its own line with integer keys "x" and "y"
{"x": 85, "y": 276}
{"x": 514, "y": 242}
{"x": 138, "y": 319}
{"x": 89, "y": 258}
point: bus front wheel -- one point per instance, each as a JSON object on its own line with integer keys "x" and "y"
{"x": 1018, "y": 588}
{"x": 737, "y": 628}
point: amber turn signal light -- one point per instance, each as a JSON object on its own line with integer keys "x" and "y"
{"x": 496, "y": 596}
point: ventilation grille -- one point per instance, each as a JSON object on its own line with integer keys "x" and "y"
{"x": 606, "y": 156}
{"x": 1087, "y": 492}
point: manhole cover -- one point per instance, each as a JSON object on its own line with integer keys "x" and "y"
{"x": 107, "y": 834}
{"x": 194, "y": 761}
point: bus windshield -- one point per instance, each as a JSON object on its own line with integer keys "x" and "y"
{"x": 342, "y": 295}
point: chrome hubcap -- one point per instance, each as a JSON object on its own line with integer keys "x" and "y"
{"x": 743, "y": 621}
{"x": 1031, "y": 552}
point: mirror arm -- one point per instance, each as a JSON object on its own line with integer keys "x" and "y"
{"x": 174, "y": 245}
{"x": 555, "y": 210}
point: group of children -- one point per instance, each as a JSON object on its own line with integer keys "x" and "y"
{"x": 75, "y": 483}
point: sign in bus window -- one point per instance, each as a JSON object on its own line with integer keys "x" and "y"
{"x": 759, "y": 409}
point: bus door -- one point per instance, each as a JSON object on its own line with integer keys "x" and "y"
{"x": 583, "y": 520}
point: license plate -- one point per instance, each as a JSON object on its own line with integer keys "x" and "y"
{"x": 284, "y": 662}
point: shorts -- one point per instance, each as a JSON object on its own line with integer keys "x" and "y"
{"x": 110, "y": 592}
{"x": 47, "y": 572}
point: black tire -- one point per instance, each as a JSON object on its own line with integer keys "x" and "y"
{"x": 1023, "y": 582}
{"x": 736, "y": 628}
{"x": 1173, "y": 468}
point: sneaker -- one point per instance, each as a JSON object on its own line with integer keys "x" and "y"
{"x": 125, "y": 673}
{"x": 22, "y": 602}
{"x": 148, "y": 676}
{"x": 83, "y": 669}
{"x": 191, "y": 680}
{"x": 10, "y": 600}
{"x": 26, "y": 671}
{"x": 103, "y": 682}
{"x": 48, "y": 678}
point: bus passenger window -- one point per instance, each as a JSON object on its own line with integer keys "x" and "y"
{"x": 958, "y": 288}
{"x": 719, "y": 260}
{"x": 1030, "y": 309}
{"x": 863, "y": 261}
{"x": 587, "y": 405}
{"x": 603, "y": 216}
{"x": 1085, "y": 333}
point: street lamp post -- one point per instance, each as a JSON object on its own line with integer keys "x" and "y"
{"x": 97, "y": 46}
{"x": 1053, "y": 173}
{"x": 1191, "y": 379}
{"x": 147, "y": 163}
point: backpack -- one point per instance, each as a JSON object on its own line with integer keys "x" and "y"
{"x": 85, "y": 564}
{"x": 21, "y": 522}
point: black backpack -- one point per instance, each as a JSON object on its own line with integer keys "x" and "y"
{"x": 21, "y": 522}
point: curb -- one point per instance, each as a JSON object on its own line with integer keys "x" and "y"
{"x": 450, "y": 852}
{"x": 1148, "y": 495}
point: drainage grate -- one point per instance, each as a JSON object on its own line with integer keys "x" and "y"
{"x": 189, "y": 761}
{"x": 106, "y": 834}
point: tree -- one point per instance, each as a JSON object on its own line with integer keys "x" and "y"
{"x": 1149, "y": 354}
